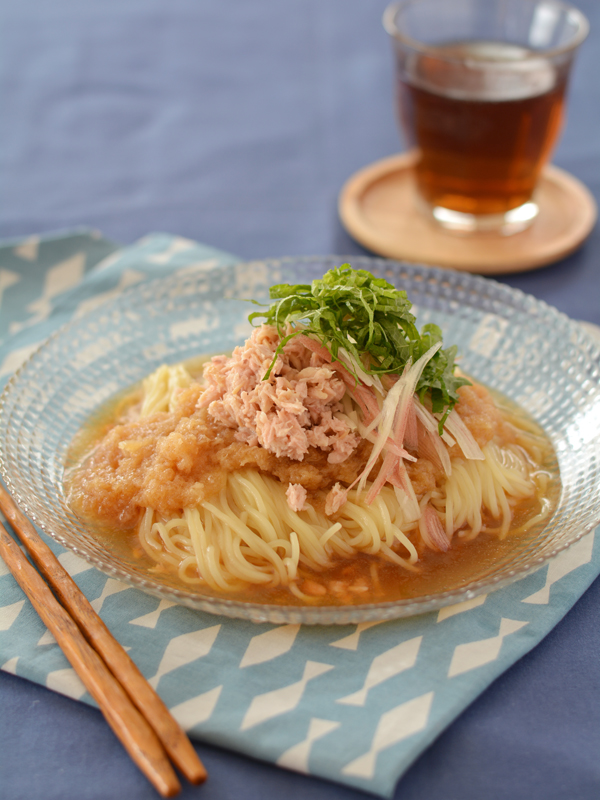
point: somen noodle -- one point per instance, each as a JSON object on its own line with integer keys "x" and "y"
{"x": 337, "y": 431}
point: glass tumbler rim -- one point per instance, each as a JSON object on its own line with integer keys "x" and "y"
{"x": 391, "y": 27}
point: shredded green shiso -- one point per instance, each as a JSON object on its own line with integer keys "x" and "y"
{"x": 372, "y": 321}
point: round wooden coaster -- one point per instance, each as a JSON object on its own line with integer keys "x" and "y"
{"x": 379, "y": 207}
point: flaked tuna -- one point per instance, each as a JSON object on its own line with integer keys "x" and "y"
{"x": 335, "y": 499}
{"x": 296, "y": 496}
{"x": 296, "y": 408}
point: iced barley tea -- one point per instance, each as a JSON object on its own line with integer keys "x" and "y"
{"x": 484, "y": 124}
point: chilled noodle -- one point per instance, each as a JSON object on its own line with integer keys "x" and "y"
{"x": 337, "y": 432}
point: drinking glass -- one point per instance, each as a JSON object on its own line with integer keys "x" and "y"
{"x": 480, "y": 95}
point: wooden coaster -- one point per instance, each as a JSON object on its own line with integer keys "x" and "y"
{"x": 379, "y": 207}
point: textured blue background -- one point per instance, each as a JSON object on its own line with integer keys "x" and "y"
{"x": 236, "y": 124}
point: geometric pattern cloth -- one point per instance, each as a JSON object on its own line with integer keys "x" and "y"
{"x": 354, "y": 704}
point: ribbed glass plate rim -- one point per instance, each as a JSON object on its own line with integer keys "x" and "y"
{"x": 477, "y": 285}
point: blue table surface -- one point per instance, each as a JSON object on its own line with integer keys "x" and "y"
{"x": 236, "y": 123}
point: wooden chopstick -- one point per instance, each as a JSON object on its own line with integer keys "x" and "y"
{"x": 136, "y": 735}
{"x": 138, "y": 690}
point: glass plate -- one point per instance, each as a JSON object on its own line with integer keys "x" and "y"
{"x": 508, "y": 340}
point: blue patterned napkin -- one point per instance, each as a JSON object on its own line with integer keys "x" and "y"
{"x": 354, "y": 704}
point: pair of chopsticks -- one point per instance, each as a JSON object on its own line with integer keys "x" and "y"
{"x": 130, "y": 705}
